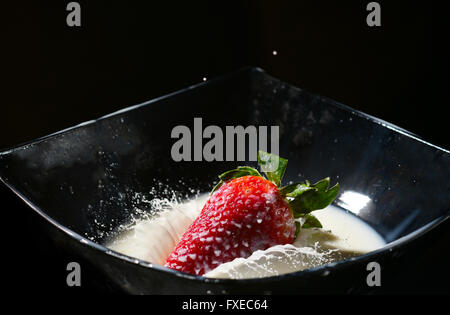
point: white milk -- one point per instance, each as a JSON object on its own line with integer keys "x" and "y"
{"x": 342, "y": 236}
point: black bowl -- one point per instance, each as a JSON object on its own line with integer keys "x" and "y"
{"x": 83, "y": 181}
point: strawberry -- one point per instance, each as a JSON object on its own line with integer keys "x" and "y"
{"x": 247, "y": 212}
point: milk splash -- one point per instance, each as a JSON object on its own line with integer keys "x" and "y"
{"x": 153, "y": 238}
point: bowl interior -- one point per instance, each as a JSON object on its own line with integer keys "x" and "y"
{"x": 92, "y": 177}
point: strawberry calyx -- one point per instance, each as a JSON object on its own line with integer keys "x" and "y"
{"x": 302, "y": 197}
{"x": 240, "y": 171}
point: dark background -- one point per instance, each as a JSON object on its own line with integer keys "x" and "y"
{"x": 55, "y": 76}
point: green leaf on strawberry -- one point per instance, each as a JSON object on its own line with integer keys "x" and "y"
{"x": 310, "y": 221}
{"x": 305, "y": 198}
{"x": 273, "y": 166}
{"x": 295, "y": 190}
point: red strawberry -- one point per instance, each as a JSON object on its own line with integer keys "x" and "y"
{"x": 247, "y": 213}
{"x": 244, "y": 215}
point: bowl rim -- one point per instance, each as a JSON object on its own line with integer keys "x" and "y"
{"x": 389, "y": 247}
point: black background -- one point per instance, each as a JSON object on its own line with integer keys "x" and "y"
{"x": 55, "y": 76}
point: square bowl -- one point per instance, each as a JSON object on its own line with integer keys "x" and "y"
{"x": 85, "y": 181}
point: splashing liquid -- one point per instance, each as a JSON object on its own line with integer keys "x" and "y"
{"x": 343, "y": 236}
